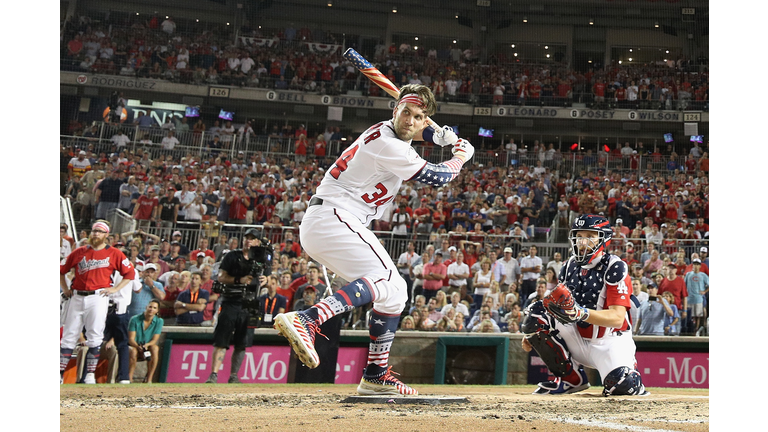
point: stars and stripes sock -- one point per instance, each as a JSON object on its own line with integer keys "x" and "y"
{"x": 92, "y": 359}
{"x": 382, "y": 328}
{"x": 64, "y": 356}
{"x": 356, "y": 293}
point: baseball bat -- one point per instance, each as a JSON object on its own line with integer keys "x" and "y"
{"x": 328, "y": 290}
{"x": 378, "y": 78}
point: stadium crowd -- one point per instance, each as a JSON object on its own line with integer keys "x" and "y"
{"x": 460, "y": 247}
{"x": 155, "y": 49}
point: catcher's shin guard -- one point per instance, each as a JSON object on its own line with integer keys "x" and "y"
{"x": 539, "y": 330}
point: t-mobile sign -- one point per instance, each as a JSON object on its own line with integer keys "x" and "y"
{"x": 190, "y": 363}
{"x": 679, "y": 370}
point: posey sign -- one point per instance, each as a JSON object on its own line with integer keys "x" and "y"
{"x": 262, "y": 364}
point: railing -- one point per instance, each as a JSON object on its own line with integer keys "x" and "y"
{"x": 547, "y": 244}
{"x": 190, "y": 143}
{"x": 66, "y": 216}
{"x": 197, "y": 145}
{"x": 120, "y": 221}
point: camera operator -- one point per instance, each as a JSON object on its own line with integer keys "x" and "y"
{"x": 240, "y": 274}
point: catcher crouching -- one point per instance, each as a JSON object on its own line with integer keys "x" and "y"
{"x": 585, "y": 320}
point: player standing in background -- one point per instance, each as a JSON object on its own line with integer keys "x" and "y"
{"x": 596, "y": 331}
{"x": 94, "y": 265}
{"x": 355, "y": 191}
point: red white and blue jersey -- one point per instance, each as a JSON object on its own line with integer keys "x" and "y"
{"x": 366, "y": 177}
{"x": 598, "y": 286}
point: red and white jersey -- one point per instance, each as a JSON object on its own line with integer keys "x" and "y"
{"x": 367, "y": 176}
{"x": 94, "y": 268}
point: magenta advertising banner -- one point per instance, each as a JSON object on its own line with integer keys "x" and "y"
{"x": 678, "y": 370}
{"x": 191, "y": 363}
{"x": 350, "y": 364}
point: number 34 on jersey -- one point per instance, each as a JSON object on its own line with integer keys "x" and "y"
{"x": 379, "y": 196}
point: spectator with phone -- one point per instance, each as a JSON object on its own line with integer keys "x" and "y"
{"x": 143, "y": 335}
{"x": 653, "y": 312}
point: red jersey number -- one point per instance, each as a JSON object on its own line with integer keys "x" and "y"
{"x": 378, "y": 198}
{"x": 341, "y": 163}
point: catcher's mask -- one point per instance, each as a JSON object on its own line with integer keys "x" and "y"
{"x": 585, "y": 248}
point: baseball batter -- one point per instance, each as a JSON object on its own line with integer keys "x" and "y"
{"x": 89, "y": 302}
{"x": 356, "y": 190}
{"x": 586, "y": 320}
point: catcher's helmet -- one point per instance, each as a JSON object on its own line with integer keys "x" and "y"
{"x": 590, "y": 222}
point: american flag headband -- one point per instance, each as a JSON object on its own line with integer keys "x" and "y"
{"x": 409, "y": 98}
{"x": 100, "y": 226}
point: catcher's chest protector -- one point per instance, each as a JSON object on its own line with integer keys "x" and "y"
{"x": 586, "y": 284}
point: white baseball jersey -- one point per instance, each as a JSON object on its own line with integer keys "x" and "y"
{"x": 366, "y": 177}
{"x": 357, "y": 189}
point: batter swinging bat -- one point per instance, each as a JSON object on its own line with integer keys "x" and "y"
{"x": 378, "y": 78}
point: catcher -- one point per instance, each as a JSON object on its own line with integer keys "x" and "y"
{"x": 586, "y": 320}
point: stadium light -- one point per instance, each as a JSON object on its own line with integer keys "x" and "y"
{"x": 394, "y": 9}
{"x": 525, "y": 19}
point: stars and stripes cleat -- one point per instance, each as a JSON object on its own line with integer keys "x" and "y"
{"x": 560, "y": 386}
{"x": 386, "y": 384}
{"x": 300, "y": 331}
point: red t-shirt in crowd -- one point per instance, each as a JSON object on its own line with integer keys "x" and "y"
{"x": 146, "y": 206}
{"x": 677, "y": 288}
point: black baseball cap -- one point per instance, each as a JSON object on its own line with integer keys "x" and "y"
{"x": 255, "y": 232}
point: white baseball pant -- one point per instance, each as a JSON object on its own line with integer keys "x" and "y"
{"x": 604, "y": 354}
{"x": 339, "y": 241}
{"x": 85, "y": 311}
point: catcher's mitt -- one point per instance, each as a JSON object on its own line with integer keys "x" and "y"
{"x": 561, "y": 304}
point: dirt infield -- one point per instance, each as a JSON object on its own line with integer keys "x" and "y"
{"x": 242, "y": 407}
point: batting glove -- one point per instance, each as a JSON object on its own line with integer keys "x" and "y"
{"x": 445, "y": 136}
{"x": 463, "y": 150}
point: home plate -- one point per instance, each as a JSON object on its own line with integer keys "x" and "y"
{"x": 406, "y": 400}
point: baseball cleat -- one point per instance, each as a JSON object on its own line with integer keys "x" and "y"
{"x": 125, "y": 381}
{"x": 233, "y": 380}
{"x": 558, "y": 386}
{"x": 90, "y": 378}
{"x": 300, "y": 331}
{"x": 386, "y": 384}
{"x": 213, "y": 378}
